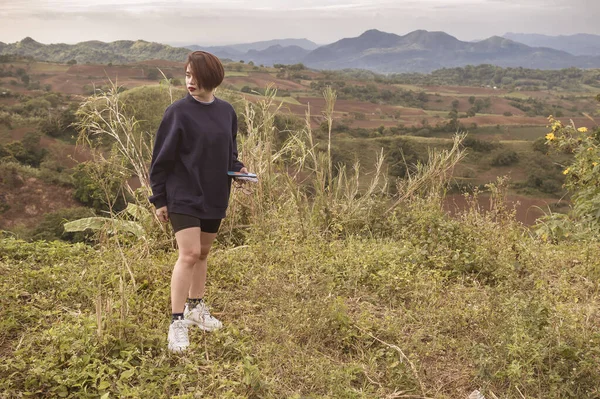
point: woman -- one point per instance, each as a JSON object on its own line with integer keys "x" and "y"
{"x": 194, "y": 149}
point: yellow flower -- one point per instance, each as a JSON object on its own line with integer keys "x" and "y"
{"x": 566, "y": 171}
{"x": 595, "y": 163}
{"x": 550, "y": 136}
{"x": 590, "y": 149}
{"x": 582, "y": 129}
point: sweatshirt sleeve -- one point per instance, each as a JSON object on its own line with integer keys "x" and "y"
{"x": 237, "y": 165}
{"x": 163, "y": 157}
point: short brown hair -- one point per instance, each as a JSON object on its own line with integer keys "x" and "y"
{"x": 206, "y": 69}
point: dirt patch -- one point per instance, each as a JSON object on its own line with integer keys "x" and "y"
{"x": 527, "y": 208}
{"x": 463, "y": 90}
{"x": 65, "y": 154}
{"x": 160, "y": 63}
{"x": 374, "y": 124}
{"x": 262, "y": 80}
{"x": 101, "y": 71}
{"x": 16, "y": 134}
{"x": 8, "y": 101}
{"x": 31, "y": 201}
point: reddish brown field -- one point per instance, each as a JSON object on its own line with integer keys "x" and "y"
{"x": 527, "y": 208}
{"x": 262, "y": 80}
{"x": 162, "y": 64}
{"x": 16, "y": 134}
{"x": 499, "y": 105}
{"x": 32, "y": 200}
{"x": 475, "y": 91}
{"x": 8, "y": 101}
{"x": 505, "y": 120}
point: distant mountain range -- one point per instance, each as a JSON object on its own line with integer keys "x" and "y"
{"x": 418, "y": 51}
{"x": 240, "y": 49}
{"x": 425, "y": 51}
{"x": 95, "y": 52}
{"x": 580, "y": 44}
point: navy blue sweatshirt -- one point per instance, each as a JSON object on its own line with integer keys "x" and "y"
{"x": 195, "y": 146}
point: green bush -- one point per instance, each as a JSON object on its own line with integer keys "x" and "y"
{"x": 581, "y": 181}
{"x": 539, "y": 145}
{"x": 504, "y": 157}
{"x": 60, "y": 125}
{"x": 401, "y": 157}
{"x": 51, "y": 227}
{"x": 10, "y": 177}
{"x": 28, "y": 151}
{"x": 544, "y": 175}
{"x": 479, "y": 145}
{"x": 99, "y": 186}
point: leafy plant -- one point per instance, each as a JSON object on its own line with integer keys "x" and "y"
{"x": 581, "y": 179}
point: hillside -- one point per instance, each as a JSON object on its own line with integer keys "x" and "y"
{"x": 284, "y": 55}
{"x": 395, "y": 113}
{"x": 580, "y": 44}
{"x": 97, "y": 52}
{"x": 326, "y": 289}
{"x": 240, "y": 49}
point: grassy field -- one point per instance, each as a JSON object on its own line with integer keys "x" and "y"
{"x": 326, "y": 290}
{"x": 420, "y": 306}
{"x": 505, "y": 133}
{"x": 50, "y": 68}
{"x": 234, "y": 73}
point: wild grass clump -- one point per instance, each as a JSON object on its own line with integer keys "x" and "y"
{"x": 329, "y": 286}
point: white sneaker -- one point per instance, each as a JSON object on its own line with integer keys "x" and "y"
{"x": 178, "y": 336}
{"x": 200, "y": 316}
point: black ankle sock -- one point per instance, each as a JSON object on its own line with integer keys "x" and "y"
{"x": 176, "y": 316}
{"x": 193, "y": 302}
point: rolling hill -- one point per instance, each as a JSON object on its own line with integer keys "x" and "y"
{"x": 580, "y": 44}
{"x": 257, "y": 46}
{"x": 118, "y": 52}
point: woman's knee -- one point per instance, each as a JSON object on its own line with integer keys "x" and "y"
{"x": 190, "y": 256}
{"x": 204, "y": 253}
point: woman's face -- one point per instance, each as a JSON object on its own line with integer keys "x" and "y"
{"x": 190, "y": 83}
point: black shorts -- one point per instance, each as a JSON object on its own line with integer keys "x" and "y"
{"x": 180, "y": 221}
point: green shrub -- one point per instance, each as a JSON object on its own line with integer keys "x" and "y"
{"x": 10, "y": 177}
{"x": 28, "y": 151}
{"x": 504, "y": 157}
{"x": 401, "y": 157}
{"x": 51, "y": 227}
{"x": 539, "y": 145}
{"x": 99, "y": 186}
{"x": 479, "y": 145}
{"x": 581, "y": 181}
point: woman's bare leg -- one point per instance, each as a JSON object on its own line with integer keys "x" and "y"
{"x": 198, "y": 281}
{"x": 189, "y": 243}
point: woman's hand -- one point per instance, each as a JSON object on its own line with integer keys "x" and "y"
{"x": 162, "y": 214}
{"x": 244, "y": 170}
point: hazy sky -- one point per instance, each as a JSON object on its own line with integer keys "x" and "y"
{"x": 208, "y": 22}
